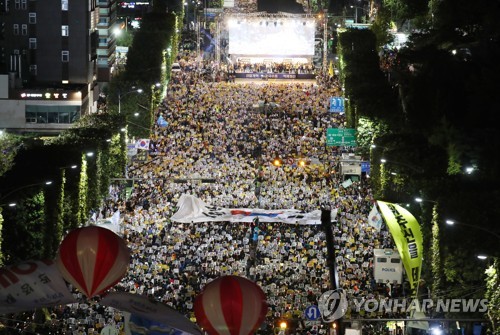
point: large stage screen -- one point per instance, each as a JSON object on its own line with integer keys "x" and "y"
{"x": 271, "y": 36}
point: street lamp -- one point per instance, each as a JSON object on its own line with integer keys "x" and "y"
{"x": 10, "y": 204}
{"x": 418, "y": 170}
{"x": 450, "y": 222}
{"x": 420, "y": 200}
{"x": 120, "y": 96}
{"x": 48, "y": 182}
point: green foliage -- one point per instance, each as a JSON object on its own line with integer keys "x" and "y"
{"x": 93, "y": 195}
{"x": 118, "y": 154}
{"x": 493, "y": 295}
{"x": 145, "y": 56}
{"x": 381, "y": 28}
{"x": 9, "y": 145}
{"x": 365, "y": 85}
{"x": 403, "y": 10}
{"x": 1, "y": 238}
{"x": 83, "y": 209}
{"x": 61, "y": 208}
{"x": 367, "y": 131}
{"x": 25, "y": 227}
{"x": 125, "y": 38}
{"x": 436, "y": 263}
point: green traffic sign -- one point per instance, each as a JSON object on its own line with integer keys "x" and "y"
{"x": 345, "y": 137}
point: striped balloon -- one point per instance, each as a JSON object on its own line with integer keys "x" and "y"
{"x": 93, "y": 259}
{"x": 230, "y": 305}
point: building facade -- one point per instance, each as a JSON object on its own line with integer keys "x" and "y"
{"x": 53, "y": 55}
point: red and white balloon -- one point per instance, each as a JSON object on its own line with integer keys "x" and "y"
{"x": 230, "y": 305}
{"x": 93, "y": 259}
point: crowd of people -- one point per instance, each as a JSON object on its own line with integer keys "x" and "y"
{"x": 231, "y": 133}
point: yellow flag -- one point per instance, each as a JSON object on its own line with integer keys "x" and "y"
{"x": 407, "y": 236}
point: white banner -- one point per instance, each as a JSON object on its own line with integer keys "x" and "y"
{"x": 112, "y": 223}
{"x": 171, "y": 321}
{"x": 192, "y": 209}
{"x": 30, "y": 285}
{"x": 375, "y": 219}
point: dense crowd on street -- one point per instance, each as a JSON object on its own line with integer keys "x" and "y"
{"x": 231, "y": 133}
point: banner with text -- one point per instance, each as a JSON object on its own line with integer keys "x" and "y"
{"x": 30, "y": 285}
{"x": 192, "y": 209}
{"x": 407, "y": 236}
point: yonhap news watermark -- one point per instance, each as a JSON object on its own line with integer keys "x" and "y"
{"x": 334, "y": 304}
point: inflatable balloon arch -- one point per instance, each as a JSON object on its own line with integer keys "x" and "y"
{"x": 93, "y": 259}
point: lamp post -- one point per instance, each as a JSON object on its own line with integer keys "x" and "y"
{"x": 10, "y": 204}
{"x": 24, "y": 187}
{"x": 452, "y": 222}
{"x": 418, "y": 170}
{"x": 120, "y": 96}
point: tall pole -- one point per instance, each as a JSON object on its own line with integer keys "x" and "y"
{"x": 119, "y": 102}
{"x": 331, "y": 259}
{"x": 325, "y": 41}
{"x": 217, "y": 40}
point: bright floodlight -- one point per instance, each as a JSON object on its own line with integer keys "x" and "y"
{"x": 383, "y": 160}
{"x": 482, "y": 257}
{"x": 139, "y": 90}
{"x": 436, "y": 331}
{"x": 48, "y": 182}
{"x": 12, "y": 204}
{"x": 136, "y": 114}
{"x": 450, "y": 222}
{"x": 117, "y": 31}
{"x": 90, "y": 154}
{"x": 469, "y": 170}
{"x": 419, "y": 199}
{"x": 373, "y": 146}
{"x": 74, "y": 166}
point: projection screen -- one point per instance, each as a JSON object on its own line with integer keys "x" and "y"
{"x": 264, "y": 36}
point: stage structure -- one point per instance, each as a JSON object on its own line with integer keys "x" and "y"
{"x": 262, "y": 40}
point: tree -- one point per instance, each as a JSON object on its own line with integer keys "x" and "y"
{"x": 9, "y": 145}
{"x": 25, "y": 228}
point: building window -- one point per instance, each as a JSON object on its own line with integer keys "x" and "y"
{"x": 52, "y": 114}
{"x": 24, "y": 29}
{"x": 33, "y": 70}
{"x": 15, "y": 29}
{"x": 32, "y": 18}
{"x": 24, "y": 4}
{"x": 32, "y": 43}
{"x": 64, "y": 4}
{"x": 64, "y": 30}
{"x": 17, "y": 4}
{"x": 65, "y": 56}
